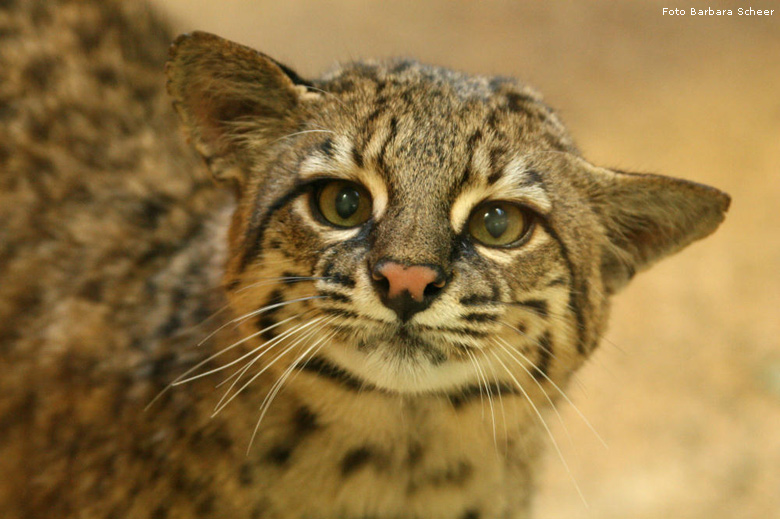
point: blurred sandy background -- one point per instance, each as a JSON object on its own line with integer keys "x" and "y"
{"x": 686, "y": 388}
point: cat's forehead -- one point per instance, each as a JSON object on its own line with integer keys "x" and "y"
{"x": 432, "y": 133}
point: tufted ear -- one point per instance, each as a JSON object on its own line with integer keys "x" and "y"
{"x": 647, "y": 217}
{"x": 232, "y": 99}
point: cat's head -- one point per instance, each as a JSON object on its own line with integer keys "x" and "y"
{"x": 417, "y": 229}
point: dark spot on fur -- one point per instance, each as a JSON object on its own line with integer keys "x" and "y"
{"x": 414, "y": 454}
{"x": 401, "y": 66}
{"x": 278, "y": 455}
{"x": 205, "y": 507}
{"x": 92, "y": 290}
{"x": 305, "y": 421}
{"x": 545, "y": 357}
{"x": 264, "y": 322}
{"x": 326, "y": 147}
{"x": 106, "y": 75}
{"x": 150, "y": 212}
{"x": 516, "y": 102}
{"x": 355, "y": 459}
{"x": 161, "y": 512}
{"x": 245, "y": 475}
{"x": 40, "y": 72}
{"x": 471, "y": 514}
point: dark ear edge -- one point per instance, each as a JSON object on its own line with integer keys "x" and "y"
{"x": 224, "y": 92}
{"x": 648, "y": 217}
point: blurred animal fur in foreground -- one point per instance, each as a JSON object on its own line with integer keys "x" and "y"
{"x": 408, "y": 266}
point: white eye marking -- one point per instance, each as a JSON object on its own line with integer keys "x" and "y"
{"x": 516, "y": 184}
{"x": 340, "y": 165}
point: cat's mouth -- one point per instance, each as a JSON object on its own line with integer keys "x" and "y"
{"x": 403, "y": 358}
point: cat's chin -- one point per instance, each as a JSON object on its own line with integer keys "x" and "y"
{"x": 397, "y": 369}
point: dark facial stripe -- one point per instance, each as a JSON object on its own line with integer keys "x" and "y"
{"x": 471, "y": 145}
{"x": 477, "y": 317}
{"x": 253, "y": 238}
{"x": 335, "y": 296}
{"x": 537, "y": 306}
{"x": 326, "y": 147}
{"x": 497, "y": 164}
{"x": 578, "y": 291}
{"x": 481, "y": 299}
{"x": 532, "y": 178}
{"x": 545, "y": 357}
{"x": 325, "y": 369}
{"x": 267, "y": 318}
{"x": 380, "y": 159}
{"x": 341, "y": 313}
{"x": 357, "y": 157}
{"x": 337, "y": 278}
{"x": 476, "y": 391}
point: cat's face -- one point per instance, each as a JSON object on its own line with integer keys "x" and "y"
{"x": 416, "y": 229}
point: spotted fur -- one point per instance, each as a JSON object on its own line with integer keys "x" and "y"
{"x": 126, "y": 268}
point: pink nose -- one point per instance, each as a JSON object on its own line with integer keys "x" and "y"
{"x": 414, "y": 279}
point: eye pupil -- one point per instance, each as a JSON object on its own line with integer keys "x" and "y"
{"x": 496, "y": 221}
{"x": 347, "y": 202}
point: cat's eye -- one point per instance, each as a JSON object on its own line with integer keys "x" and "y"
{"x": 499, "y": 224}
{"x": 343, "y": 203}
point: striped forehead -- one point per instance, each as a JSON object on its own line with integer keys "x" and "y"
{"x": 516, "y": 182}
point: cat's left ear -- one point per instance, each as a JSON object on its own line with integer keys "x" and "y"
{"x": 647, "y": 217}
{"x": 233, "y": 100}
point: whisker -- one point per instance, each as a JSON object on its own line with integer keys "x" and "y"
{"x": 273, "y": 281}
{"x": 544, "y": 424}
{"x": 546, "y": 350}
{"x": 546, "y": 395}
{"x": 221, "y": 405}
{"x": 239, "y": 320}
{"x": 179, "y": 381}
{"x": 557, "y": 388}
{"x": 279, "y": 383}
{"x": 503, "y": 413}
{"x": 267, "y": 347}
{"x": 483, "y": 379}
{"x": 301, "y": 133}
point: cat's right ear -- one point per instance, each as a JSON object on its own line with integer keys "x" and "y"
{"x": 233, "y": 100}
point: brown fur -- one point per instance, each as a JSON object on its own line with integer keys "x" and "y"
{"x": 116, "y": 248}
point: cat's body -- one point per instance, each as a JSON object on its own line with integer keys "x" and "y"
{"x": 417, "y": 343}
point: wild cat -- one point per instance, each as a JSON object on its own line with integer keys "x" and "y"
{"x": 394, "y": 277}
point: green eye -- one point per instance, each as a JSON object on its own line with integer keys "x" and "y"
{"x": 344, "y": 204}
{"x": 498, "y": 224}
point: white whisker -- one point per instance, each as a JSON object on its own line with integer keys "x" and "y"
{"x": 279, "y": 383}
{"x": 221, "y": 405}
{"x": 544, "y": 425}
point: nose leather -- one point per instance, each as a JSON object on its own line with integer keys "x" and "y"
{"x": 413, "y": 279}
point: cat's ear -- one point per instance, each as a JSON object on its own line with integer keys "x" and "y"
{"x": 231, "y": 98}
{"x": 647, "y": 217}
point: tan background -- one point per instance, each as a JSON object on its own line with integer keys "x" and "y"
{"x": 686, "y": 388}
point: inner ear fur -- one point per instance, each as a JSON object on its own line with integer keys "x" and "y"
{"x": 647, "y": 217}
{"x": 232, "y": 99}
